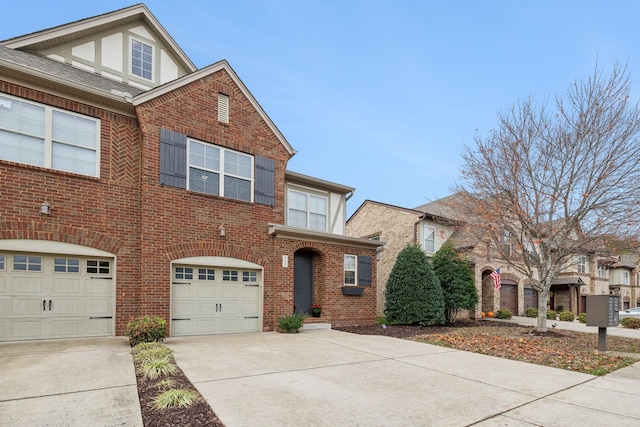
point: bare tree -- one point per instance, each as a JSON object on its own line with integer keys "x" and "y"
{"x": 558, "y": 182}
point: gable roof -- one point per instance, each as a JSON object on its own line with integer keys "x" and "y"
{"x": 45, "y": 39}
{"x": 203, "y": 72}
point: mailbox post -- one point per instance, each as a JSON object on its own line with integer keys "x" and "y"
{"x": 602, "y": 311}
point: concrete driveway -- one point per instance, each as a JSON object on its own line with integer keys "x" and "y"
{"x": 82, "y": 382}
{"x": 332, "y": 378}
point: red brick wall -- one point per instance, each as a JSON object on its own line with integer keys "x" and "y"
{"x": 102, "y": 213}
{"x": 128, "y": 213}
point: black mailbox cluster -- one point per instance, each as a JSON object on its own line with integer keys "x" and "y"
{"x": 602, "y": 310}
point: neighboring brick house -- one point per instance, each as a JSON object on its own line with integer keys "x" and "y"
{"x": 134, "y": 183}
{"x": 432, "y": 224}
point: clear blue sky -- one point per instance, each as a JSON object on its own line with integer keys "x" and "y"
{"x": 383, "y": 95}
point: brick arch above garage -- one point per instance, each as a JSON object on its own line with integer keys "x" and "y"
{"x": 202, "y": 249}
{"x": 29, "y": 231}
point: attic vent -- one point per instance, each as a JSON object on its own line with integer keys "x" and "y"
{"x": 223, "y": 108}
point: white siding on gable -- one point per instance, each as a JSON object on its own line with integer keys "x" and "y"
{"x": 301, "y": 208}
{"x": 433, "y": 236}
{"x": 337, "y": 216}
{"x": 85, "y": 51}
{"x": 168, "y": 68}
{"x": 142, "y": 31}
{"x": 112, "y": 52}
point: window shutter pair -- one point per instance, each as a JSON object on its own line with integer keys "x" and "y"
{"x": 173, "y": 167}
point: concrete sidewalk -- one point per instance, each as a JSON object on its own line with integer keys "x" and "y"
{"x": 81, "y": 382}
{"x": 332, "y": 378}
{"x": 572, "y": 326}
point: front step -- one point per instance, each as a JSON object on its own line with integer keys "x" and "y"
{"x": 310, "y": 326}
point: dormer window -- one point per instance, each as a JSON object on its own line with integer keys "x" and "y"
{"x": 141, "y": 59}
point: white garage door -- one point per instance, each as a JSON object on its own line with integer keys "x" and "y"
{"x": 55, "y": 296}
{"x": 210, "y": 300}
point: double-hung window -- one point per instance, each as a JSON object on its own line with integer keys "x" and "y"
{"x": 306, "y": 210}
{"x": 602, "y": 271}
{"x": 429, "y": 239}
{"x": 219, "y": 171}
{"x": 141, "y": 59}
{"x": 581, "y": 264}
{"x": 350, "y": 270}
{"x": 41, "y": 135}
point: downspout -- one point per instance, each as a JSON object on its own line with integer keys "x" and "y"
{"x": 415, "y": 227}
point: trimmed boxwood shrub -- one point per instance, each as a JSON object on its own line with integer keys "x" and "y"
{"x": 630, "y": 322}
{"x": 582, "y": 317}
{"x": 566, "y": 316}
{"x": 551, "y": 315}
{"x": 531, "y": 312}
{"x": 146, "y": 329}
{"x": 504, "y": 313}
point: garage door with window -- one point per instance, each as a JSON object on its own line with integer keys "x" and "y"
{"x": 45, "y": 296}
{"x": 215, "y": 300}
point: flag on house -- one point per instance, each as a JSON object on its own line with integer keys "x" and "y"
{"x": 497, "y": 280}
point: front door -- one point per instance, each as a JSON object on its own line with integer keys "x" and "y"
{"x": 302, "y": 281}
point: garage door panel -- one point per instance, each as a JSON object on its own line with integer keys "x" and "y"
{"x": 206, "y": 308}
{"x": 26, "y": 285}
{"x": 62, "y": 307}
{"x": 184, "y": 308}
{"x": 97, "y": 327}
{"x": 61, "y": 328}
{"x": 65, "y": 286}
{"x": 24, "y": 329}
{"x": 98, "y": 287}
{"x": 26, "y": 307}
{"x": 205, "y": 291}
{"x": 231, "y": 291}
{"x": 182, "y": 291}
{"x": 97, "y": 307}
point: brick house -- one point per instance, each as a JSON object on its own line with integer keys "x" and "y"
{"x": 134, "y": 183}
{"x": 432, "y": 224}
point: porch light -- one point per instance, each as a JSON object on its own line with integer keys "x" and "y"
{"x": 45, "y": 208}
{"x": 222, "y": 231}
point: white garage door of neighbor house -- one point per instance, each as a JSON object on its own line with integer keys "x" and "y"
{"x": 215, "y": 300}
{"x": 46, "y": 296}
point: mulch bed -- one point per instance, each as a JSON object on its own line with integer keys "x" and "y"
{"x": 198, "y": 414}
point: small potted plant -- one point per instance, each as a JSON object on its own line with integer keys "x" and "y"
{"x": 316, "y": 310}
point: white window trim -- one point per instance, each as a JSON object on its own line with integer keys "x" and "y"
{"x": 582, "y": 264}
{"x": 307, "y": 194}
{"x": 153, "y": 59}
{"x": 222, "y": 174}
{"x": 355, "y": 270}
{"x": 48, "y": 135}
{"x": 424, "y": 238}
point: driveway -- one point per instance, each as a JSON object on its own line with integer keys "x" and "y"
{"x": 332, "y": 378}
{"x": 81, "y": 382}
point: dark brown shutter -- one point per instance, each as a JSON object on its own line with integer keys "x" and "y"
{"x": 173, "y": 158}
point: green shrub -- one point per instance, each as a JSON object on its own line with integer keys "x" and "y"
{"x": 566, "y": 316}
{"x": 292, "y": 323}
{"x": 551, "y": 315}
{"x": 531, "y": 312}
{"x": 175, "y": 398}
{"x": 582, "y": 317}
{"x": 504, "y": 313}
{"x": 413, "y": 292}
{"x": 630, "y": 322}
{"x": 146, "y": 329}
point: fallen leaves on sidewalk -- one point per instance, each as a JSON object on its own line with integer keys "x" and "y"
{"x": 574, "y": 351}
